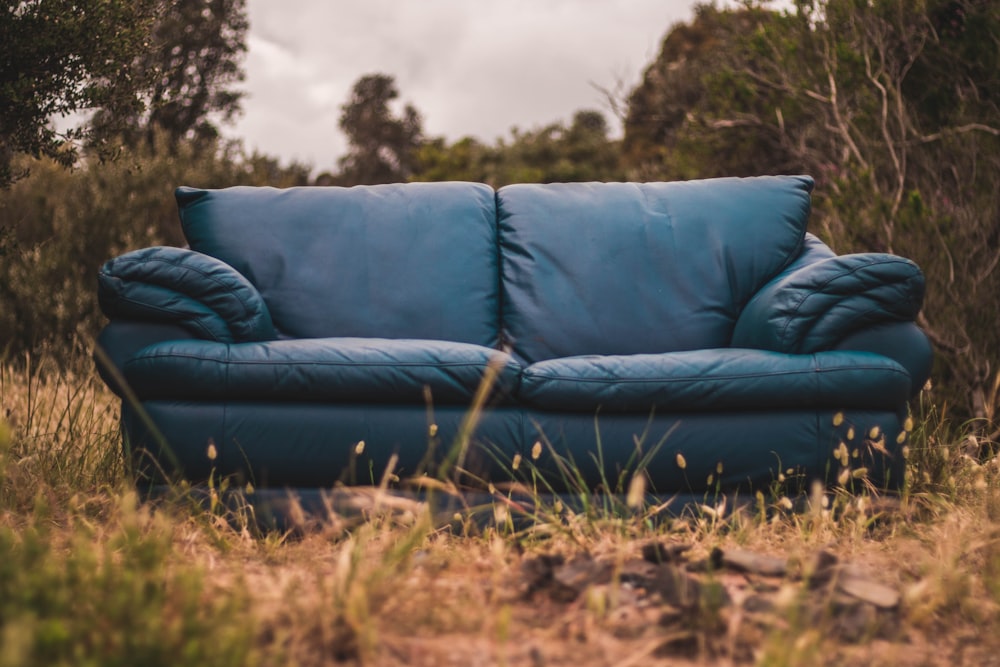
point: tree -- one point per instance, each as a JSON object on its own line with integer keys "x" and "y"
{"x": 62, "y": 56}
{"x": 894, "y": 106}
{"x": 195, "y": 56}
{"x": 690, "y": 117}
{"x": 383, "y": 146}
{"x": 552, "y": 153}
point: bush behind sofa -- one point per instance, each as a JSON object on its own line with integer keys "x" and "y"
{"x": 694, "y": 323}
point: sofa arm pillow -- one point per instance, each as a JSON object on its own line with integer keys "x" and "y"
{"x": 814, "y": 307}
{"x": 173, "y": 285}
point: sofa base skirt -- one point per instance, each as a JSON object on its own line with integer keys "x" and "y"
{"x": 315, "y": 445}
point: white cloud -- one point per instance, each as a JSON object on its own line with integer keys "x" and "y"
{"x": 471, "y": 68}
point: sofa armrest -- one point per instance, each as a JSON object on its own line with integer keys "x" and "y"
{"x": 121, "y": 339}
{"x": 903, "y": 342}
{"x": 815, "y": 306}
{"x": 199, "y": 293}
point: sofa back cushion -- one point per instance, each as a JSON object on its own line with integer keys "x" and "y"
{"x": 630, "y": 268}
{"x": 392, "y": 261}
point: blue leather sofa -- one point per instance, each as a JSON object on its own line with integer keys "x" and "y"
{"x": 693, "y": 326}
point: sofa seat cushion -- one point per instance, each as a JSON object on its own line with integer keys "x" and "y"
{"x": 730, "y": 379}
{"x": 321, "y": 369}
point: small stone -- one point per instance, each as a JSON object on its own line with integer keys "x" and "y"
{"x": 758, "y": 604}
{"x": 658, "y": 552}
{"x": 860, "y": 586}
{"x": 747, "y": 561}
{"x": 575, "y": 576}
{"x": 681, "y": 590}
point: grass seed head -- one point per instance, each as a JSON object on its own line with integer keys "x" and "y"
{"x": 636, "y": 491}
{"x": 500, "y": 513}
{"x": 536, "y": 450}
{"x": 681, "y": 461}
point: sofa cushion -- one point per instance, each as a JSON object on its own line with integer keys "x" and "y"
{"x": 417, "y": 260}
{"x": 330, "y": 369}
{"x": 628, "y": 268}
{"x": 724, "y": 379}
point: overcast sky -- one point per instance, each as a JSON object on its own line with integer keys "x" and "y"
{"x": 471, "y": 67}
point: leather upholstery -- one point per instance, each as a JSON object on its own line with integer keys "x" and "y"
{"x": 816, "y": 306}
{"x": 903, "y": 342}
{"x": 386, "y": 261}
{"x": 646, "y": 324}
{"x": 375, "y": 370}
{"x": 740, "y": 450}
{"x": 177, "y": 286}
{"x": 726, "y": 379}
{"x": 630, "y": 268}
{"x": 314, "y": 444}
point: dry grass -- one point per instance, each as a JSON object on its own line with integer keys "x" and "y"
{"x": 89, "y": 577}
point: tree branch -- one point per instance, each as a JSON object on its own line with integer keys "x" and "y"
{"x": 962, "y": 129}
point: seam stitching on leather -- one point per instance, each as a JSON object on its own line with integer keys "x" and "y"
{"x": 818, "y": 289}
{"x": 248, "y": 311}
{"x": 696, "y": 378}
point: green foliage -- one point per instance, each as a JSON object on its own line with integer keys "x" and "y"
{"x": 109, "y": 596}
{"x": 64, "y": 225}
{"x": 553, "y": 153}
{"x": 386, "y": 148}
{"x": 144, "y": 66}
{"x": 62, "y": 56}
{"x": 194, "y": 58}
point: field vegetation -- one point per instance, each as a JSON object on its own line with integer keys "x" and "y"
{"x": 91, "y": 575}
{"x": 894, "y": 107}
